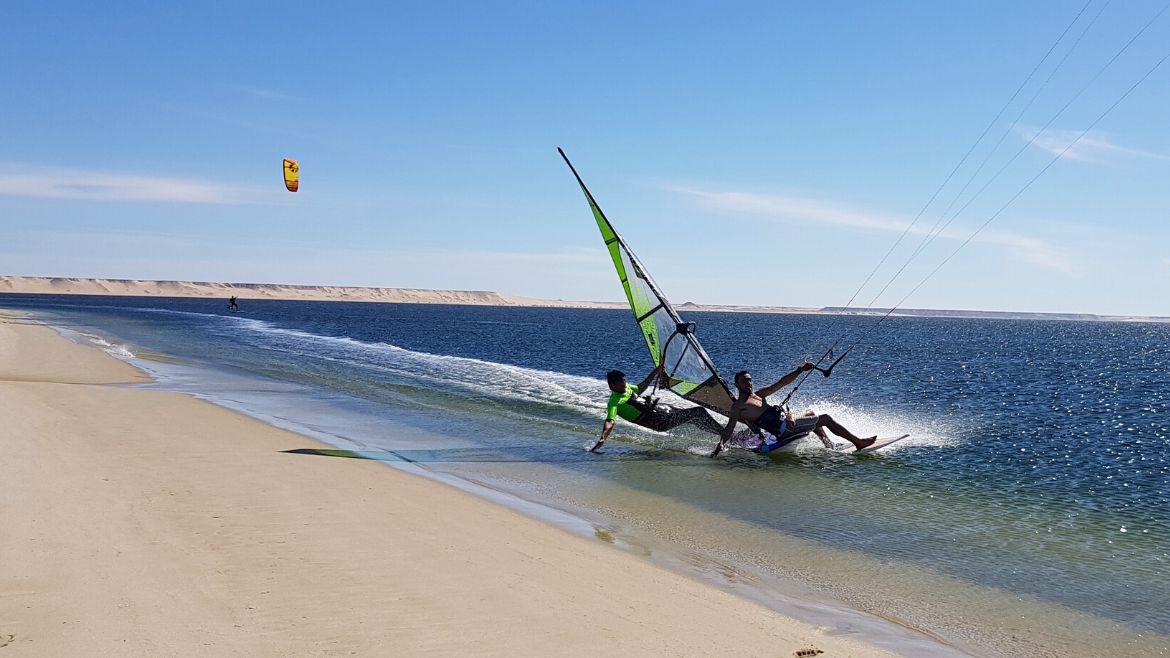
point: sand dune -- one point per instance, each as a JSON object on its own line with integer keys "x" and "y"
{"x": 146, "y": 287}
{"x": 245, "y": 291}
{"x": 141, "y": 287}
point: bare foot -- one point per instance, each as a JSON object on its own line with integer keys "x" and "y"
{"x": 862, "y": 444}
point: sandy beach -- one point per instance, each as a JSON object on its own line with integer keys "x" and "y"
{"x": 145, "y": 523}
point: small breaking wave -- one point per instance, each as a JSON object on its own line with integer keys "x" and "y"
{"x": 114, "y": 349}
{"x": 924, "y": 432}
{"x": 466, "y": 374}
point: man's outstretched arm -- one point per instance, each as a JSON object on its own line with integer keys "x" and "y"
{"x": 785, "y": 380}
{"x": 605, "y": 430}
{"x": 727, "y": 431}
{"x": 654, "y": 374}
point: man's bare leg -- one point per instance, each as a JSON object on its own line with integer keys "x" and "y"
{"x": 825, "y": 420}
{"x": 696, "y": 416}
{"x": 820, "y": 432}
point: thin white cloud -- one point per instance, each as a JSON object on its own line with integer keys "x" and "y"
{"x": 1094, "y": 147}
{"x": 170, "y": 241}
{"x": 90, "y": 185}
{"x": 1031, "y": 250}
{"x": 562, "y": 255}
{"x": 792, "y": 208}
{"x": 812, "y": 211}
{"x": 567, "y": 272}
{"x": 262, "y": 92}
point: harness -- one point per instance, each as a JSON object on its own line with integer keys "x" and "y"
{"x": 774, "y": 420}
{"x": 645, "y": 406}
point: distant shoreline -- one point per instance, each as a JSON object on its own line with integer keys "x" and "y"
{"x": 292, "y": 292}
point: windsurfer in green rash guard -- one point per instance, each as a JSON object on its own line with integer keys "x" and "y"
{"x": 624, "y": 402}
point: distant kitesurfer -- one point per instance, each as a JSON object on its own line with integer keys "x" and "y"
{"x": 624, "y": 402}
{"x": 232, "y": 305}
{"x": 752, "y": 407}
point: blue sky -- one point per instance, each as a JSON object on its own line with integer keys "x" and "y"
{"x": 751, "y": 153}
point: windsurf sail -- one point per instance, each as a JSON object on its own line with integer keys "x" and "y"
{"x": 688, "y": 371}
{"x": 292, "y": 175}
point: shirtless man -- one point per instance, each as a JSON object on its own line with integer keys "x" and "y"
{"x": 752, "y": 407}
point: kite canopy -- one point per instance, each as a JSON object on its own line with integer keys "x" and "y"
{"x": 292, "y": 175}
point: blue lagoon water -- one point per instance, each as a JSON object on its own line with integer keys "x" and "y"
{"x": 1028, "y": 514}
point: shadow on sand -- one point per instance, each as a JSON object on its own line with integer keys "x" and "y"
{"x": 516, "y": 454}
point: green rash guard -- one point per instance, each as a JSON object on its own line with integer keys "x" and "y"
{"x": 619, "y": 405}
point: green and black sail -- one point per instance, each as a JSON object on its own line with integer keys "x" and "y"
{"x": 689, "y": 372}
